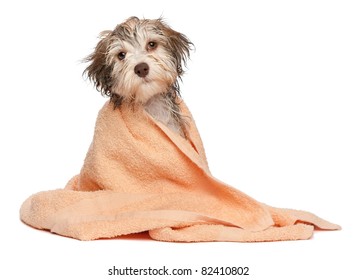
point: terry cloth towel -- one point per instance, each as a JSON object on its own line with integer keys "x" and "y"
{"x": 140, "y": 176}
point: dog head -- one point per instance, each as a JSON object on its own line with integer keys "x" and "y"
{"x": 137, "y": 60}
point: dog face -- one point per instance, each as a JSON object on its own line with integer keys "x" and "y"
{"x": 137, "y": 60}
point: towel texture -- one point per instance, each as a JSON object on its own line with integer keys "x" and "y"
{"x": 139, "y": 175}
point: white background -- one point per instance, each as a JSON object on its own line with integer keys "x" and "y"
{"x": 272, "y": 86}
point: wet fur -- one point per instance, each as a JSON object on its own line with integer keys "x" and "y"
{"x": 158, "y": 92}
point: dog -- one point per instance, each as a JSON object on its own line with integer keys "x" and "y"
{"x": 140, "y": 63}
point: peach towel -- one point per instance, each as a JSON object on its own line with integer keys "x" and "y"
{"x": 139, "y": 176}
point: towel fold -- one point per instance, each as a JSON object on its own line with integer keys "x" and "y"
{"x": 138, "y": 176}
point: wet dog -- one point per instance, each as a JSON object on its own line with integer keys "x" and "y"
{"x": 140, "y": 63}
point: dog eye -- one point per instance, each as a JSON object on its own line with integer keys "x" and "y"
{"x": 121, "y": 55}
{"x": 152, "y": 45}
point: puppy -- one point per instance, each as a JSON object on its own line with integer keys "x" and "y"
{"x": 139, "y": 63}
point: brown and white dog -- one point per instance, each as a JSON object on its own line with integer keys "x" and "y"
{"x": 139, "y": 63}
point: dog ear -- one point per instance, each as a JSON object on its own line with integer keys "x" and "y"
{"x": 98, "y": 71}
{"x": 179, "y": 46}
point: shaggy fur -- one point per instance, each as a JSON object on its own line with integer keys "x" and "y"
{"x": 139, "y": 63}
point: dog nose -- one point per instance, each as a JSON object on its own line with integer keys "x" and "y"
{"x": 142, "y": 69}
